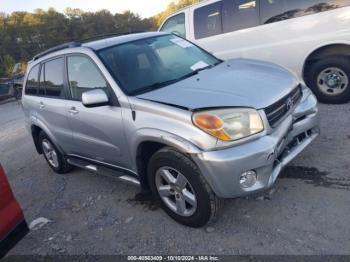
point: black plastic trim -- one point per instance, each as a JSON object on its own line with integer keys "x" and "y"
{"x": 19, "y": 232}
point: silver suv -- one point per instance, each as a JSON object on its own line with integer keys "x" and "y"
{"x": 158, "y": 111}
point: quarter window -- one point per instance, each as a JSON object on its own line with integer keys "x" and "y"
{"x": 175, "y": 25}
{"x": 239, "y": 14}
{"x": 279, "y": 10}
{"x": 207, "y": 20}
{"x": 32, "y": 82}
{"x": 83, "y": 76}
{"x": 53, "y": 73}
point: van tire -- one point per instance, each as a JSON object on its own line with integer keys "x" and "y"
{"x": 208, "y": 204}
{"x": 60, "y": 165}
{"x": 341, "y": 64}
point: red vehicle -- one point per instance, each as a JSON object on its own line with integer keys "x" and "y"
{"x": 13, "y": 226}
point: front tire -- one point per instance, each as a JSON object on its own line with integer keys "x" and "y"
{"x": 54, "y": 158}
{"x": 182, "y": 191}
{"x": 329, "y": 79}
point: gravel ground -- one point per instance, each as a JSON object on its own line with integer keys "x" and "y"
{"x": 307, "y": 212}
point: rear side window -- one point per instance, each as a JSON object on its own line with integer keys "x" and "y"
{"x": 207, "y": 20}
{"x": 175, "y": 25}
{"x": 83, "y": 76}
{"x": 32, "y": 84}
{"x": 239, "y": 14}
{"x": 279, "y": 10}
{"x": 53, "y": 74}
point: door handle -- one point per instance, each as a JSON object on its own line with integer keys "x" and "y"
{"x": 41, "y": 105}
{"x": 73, "y": 111}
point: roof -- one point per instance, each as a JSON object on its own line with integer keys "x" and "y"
{"x": 188, "y": 7}
{"x": 117, "y": 40}
{"x": 99, "y": 44}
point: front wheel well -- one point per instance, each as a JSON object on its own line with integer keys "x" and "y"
{"x": 144, "y": 153}
{"x": 322, "y": 52}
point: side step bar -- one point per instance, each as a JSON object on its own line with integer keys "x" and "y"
{"x": 103, "y": 170}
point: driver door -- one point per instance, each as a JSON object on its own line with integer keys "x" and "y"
{"x": 98, "y": 132}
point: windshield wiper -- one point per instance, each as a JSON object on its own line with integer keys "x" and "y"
{"x": 154, "y": 86}
{"x": 195, "y": 72}
{"x": 158, "y": 85}
{"x": 204, "y": 68}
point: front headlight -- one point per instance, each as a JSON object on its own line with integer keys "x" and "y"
{"x": 229, "y": 124}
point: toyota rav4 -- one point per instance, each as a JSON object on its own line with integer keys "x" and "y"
{"x": 160, "y": 112}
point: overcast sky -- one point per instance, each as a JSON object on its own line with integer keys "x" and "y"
{"x": 145, "y": 8}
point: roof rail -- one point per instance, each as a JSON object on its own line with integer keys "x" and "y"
{"x": 79, "y": 43}
{"x": 56, "y": 48}
{"x": 99, "y": 37}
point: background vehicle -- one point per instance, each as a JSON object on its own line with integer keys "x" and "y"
{"x": 12, "y": 86}
{"x": 310, "y": 37}
{"x": 4, "y": 89}
{"x": 13, "y": 226}
{"x": 182, "y": 123}
{"x": 17, "y": 77}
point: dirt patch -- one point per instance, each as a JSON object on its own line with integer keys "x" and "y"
{"x": 312, "y": 175}
{"x": 145, "y": 199}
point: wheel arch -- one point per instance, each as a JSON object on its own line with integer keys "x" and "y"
{"x": 35, "y": 130}
{"x": 333, "y": 49}
{"x": 149, "y": 142}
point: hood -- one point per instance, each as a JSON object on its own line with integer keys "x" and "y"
{"x": 234, "y": 83}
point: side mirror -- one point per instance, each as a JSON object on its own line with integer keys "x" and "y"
{"x": 94, "y": 98}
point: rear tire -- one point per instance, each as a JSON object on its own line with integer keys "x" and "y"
{"x": 181, "y": 189}
{"x": 53, "y": 156}
{"x": 329, "y": 79}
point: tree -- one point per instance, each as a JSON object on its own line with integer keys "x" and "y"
{"x": 8, "y": 64}
{"x": 129, "y": 22}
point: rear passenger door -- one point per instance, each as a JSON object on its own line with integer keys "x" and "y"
{"x": 98, "y": 132}
{"x": 51, "y": 103}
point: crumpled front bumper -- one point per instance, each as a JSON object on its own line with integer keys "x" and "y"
{"x": 267, "y": 155}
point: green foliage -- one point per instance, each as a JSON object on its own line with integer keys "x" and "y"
{"x": 7, "y": 65}
{"x": 2, "y": 71}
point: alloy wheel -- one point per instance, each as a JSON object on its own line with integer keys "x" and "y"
{"x": 176, "y": 191}
{"x": 50, "y": 153}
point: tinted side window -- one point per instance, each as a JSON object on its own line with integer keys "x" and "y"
{"x": 83, "y": 76}
{"x": 32, "y": 82}
{"x": 239, "y": 14}
{"x": 176, "y": 25}
{"x": 279, "y": 10}
{"x": 207, "y": 20}
{"x": 54, "y": 78}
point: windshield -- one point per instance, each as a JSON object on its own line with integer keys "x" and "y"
{"x": 147, "y": 64}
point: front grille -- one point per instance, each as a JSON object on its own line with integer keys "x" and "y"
{"x": 278, "y": 110}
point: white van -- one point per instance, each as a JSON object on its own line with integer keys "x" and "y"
{"x": 310, "y": 37}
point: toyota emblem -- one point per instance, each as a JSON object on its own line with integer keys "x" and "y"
{"x": 290, "y": 103}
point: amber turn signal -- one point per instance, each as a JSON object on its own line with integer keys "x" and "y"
{"x": 211, "y": 124}
{"x": 208, "y": 121}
